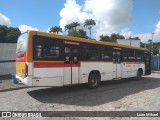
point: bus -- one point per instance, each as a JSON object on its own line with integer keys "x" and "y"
{"x": 44, "y": 59}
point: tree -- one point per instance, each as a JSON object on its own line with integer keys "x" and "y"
{"x": 75, "y": 25}
{"x": 78, "y": 33}
{"x": 120, "y": 36}
{"x": 72, "y": 26}
{"x": 3, "y": 32}
{"x": 105, "y": 38}
{"x": 55, "y": 29}
{"x": 12, "y": 35}
{"x": 89, "y": 23}
{"x": 9, "y": 34}
{"x": 68, "y": 27}
{"x": 113, "y": 38}
{"x": 134, "y": 38}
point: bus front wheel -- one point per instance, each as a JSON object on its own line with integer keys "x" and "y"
{"x": 93, "y": 81}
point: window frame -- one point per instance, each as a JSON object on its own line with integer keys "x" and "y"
{"x": 55, "y": 41}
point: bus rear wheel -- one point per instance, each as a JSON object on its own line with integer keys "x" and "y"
{"x": 93, "y": 81}
{"x": 139, "y": 74}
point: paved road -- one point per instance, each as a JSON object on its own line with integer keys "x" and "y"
{"x": 128, "y": 95}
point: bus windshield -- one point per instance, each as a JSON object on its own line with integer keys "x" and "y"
{"x": 22, "y": 44}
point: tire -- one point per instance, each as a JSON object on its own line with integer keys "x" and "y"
{"x": 139, "y": 75}
{"x": 93, "y": 81}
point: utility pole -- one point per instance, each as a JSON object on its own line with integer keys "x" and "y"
{"x": 130, "y": 39}
{"x": 152, "y": 44}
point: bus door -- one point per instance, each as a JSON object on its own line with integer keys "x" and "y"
{"x": 147, "y": 61}
{"x": 71, "y": 64}
{"x": 117, "y": 70}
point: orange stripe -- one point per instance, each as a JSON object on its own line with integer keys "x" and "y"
{"x": 134, "y": 62}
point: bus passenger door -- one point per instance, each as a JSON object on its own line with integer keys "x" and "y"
{"x": 72, "y": 64}
{"x": 117, "y": 71}
{"x": 147, "y": 61}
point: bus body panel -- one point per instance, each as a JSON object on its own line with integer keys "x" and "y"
{"x": 102, "y": 67}
{"x": 21, "y": 55}
{"x": 75, "y": 75}
{"x": 20, "y": 69}
{"x": 46, "y": 74}
{"x": 129, "y": 69}
{"x": 117, "y": 71}
{"x": 21, "y": 77}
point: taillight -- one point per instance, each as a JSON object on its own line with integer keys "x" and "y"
{"x": 26, "y": 70}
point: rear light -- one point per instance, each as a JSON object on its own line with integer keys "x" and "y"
{"x": 26, "y": 70}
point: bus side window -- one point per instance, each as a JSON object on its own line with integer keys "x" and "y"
{"x": 114, "y": 57}
{"x": 67, "y": 50}
{"x": 139, "y": 55}
{"x": 125, "y": 55}
{"x": 106, "y": 53}
{"x": 67, "y": 56}
{"x": 39, "y": 51}
{"x": 131, "y": 55}
{"x": 118, "y": 57}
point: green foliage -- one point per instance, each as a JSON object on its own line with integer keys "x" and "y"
{"x": 72, "y": 26}
{"x": 68, "y": 27}
{"x": 134, "y": 38}
{"x": 105, "y": 38}
{"x": 9, "y": 34}
{"x": 156, "y": 47}
{"x": 78, "y": 33}
{"x": 89, "y": 23}
{"x": 113, "y": 38}
{"x": 75, "y": 25}
{"x": 55, "y": 29}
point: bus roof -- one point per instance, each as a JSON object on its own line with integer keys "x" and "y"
{"x": 85, "y": 40}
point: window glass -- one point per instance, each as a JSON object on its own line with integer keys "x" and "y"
{"x": 91, "y": 52}
{"x": 75, "y": 50}
{"x": 139, "y": 55}
{"x": 106, "y": 53}
{"x": 67, "y": 50}
{"x": 125, "y": 55}
{"x": 131, "y": 55}
{"x": 22, "y": 42}
{"x": 46, "y": 48}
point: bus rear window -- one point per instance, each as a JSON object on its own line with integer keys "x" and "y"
{"x": 22, "y": 44}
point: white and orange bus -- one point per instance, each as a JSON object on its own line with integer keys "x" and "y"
{"x": 44, "y": 59}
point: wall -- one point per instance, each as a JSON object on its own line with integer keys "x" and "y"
{"x": 7, "y": 58}
{"x": 155, "y": 62}
{"x": 135, "y": 43}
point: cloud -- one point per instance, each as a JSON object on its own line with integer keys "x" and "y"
{"x": 4, "y": 20}
{"x": 47, "y": 30}
{"x": 110, "y": 15}
{"x": 72, "y": 12}
{"x": 146, "y": 36}
{"x": 126, "y": 33}
{"x": 157, "y": 28}
{"x": 24, "y": 28}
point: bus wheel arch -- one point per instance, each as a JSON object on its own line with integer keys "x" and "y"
{"x": 139, "y": 73}
{"x": 94, "y": 79}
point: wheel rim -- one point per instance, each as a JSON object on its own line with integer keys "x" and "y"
{"x": 93, "y": 81}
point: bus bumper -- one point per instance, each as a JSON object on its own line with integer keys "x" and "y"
{"x": 25, "y": 81}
